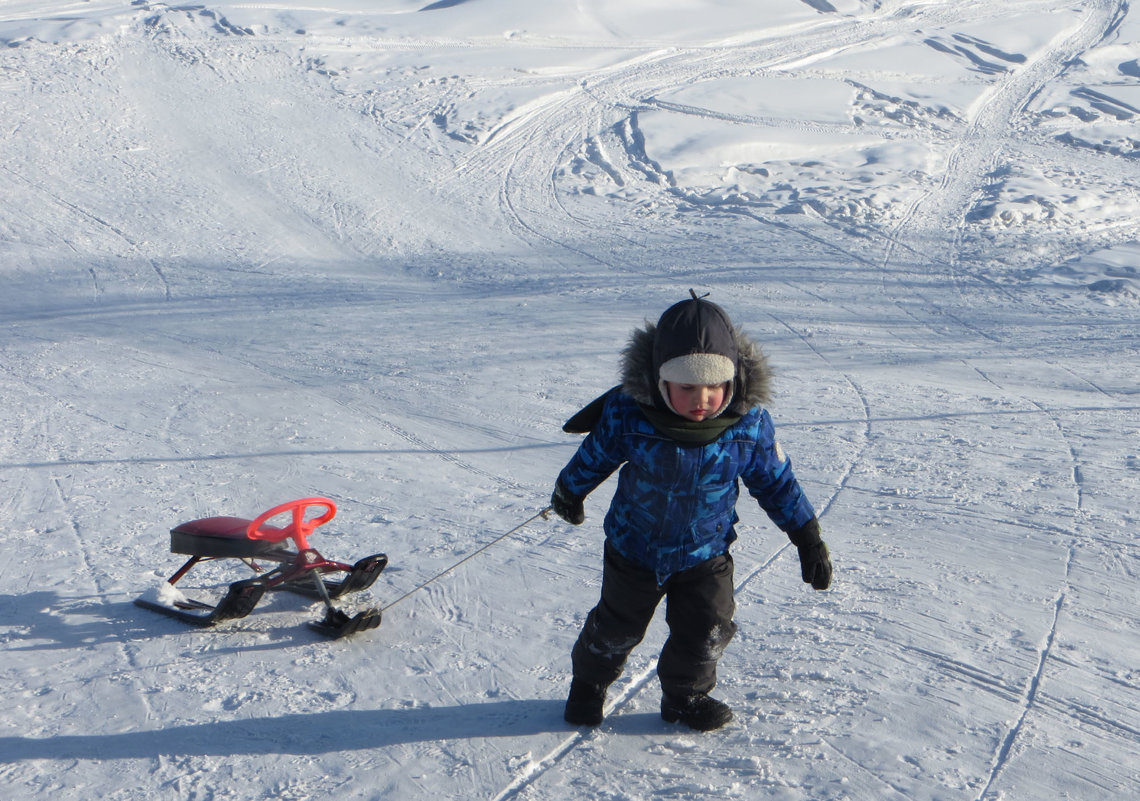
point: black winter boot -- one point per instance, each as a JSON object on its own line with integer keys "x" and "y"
{"x": 699, "y": 711}
{"x": 584, "y": 705}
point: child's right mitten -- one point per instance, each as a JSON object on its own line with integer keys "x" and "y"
{"x": 567, "y": 506}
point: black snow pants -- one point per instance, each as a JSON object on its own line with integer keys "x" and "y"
{"x": 699, "y": 610}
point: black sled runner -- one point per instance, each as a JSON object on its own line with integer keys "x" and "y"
{"x": 300, "y": 569}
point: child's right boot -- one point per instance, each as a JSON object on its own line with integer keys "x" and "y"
{"x": 584, "y": 704}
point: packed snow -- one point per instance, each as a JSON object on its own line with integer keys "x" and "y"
{"x": 379, "y": 250}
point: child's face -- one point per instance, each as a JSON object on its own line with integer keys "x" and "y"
{"x": 696, "y": 402}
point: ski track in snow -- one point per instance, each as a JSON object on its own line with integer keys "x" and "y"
{"x": 972, "y": 158}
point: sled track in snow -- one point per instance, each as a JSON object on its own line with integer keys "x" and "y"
{"x": 981, "y": 144}
{"x": 635, "y": 85}
{"x": 1028, "y": 699}
{"x": 561, "y": 123}
{"x": 1027, "y": 702}
{"x": 91, "y": 569}
{"x": 978, "y": 149}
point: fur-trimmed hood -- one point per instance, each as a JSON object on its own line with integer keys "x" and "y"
{"x": 640, "y": 381}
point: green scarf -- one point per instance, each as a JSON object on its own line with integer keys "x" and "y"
{"x": 689, "y": 432}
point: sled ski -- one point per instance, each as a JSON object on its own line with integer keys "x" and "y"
{"x": 338, "y": 624}
{"x": 239, "y": 601}
{"x": 301, "y": 569}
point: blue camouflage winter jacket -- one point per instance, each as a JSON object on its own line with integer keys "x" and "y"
{"x": 675, "y": 504}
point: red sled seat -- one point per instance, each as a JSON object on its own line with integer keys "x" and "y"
{"x": 223, "y": 537}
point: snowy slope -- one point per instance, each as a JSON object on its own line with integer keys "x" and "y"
{"x": 379, "y": 251}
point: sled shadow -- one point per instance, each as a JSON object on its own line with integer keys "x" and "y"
{"x": 301, "y": 734}
{"x": 51, "y": 622}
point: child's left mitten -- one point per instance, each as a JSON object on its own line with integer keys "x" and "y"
{"x": 815, "y": 560}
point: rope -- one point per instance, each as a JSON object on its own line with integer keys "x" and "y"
{"x": 543, "y": 514}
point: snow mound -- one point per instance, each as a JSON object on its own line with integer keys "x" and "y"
{"x": 164, "y": 594}
{"x": 1111, "y": 275}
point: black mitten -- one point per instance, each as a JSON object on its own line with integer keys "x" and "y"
{"x": 567, "y": 506}
{"x": 815, "y": 561}
{"x": 815, "y": 566}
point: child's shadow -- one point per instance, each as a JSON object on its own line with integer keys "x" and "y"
{"x": 316, "y": 733}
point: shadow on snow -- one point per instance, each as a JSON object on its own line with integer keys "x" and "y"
{"x": 318, "y": 733}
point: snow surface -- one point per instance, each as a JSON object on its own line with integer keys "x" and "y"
{"x": 379, "y": 251}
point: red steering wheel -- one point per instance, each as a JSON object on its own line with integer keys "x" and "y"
{"x": 299, "y": 529}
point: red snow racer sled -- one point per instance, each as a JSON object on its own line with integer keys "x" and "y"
{"x": 300, "y": 569}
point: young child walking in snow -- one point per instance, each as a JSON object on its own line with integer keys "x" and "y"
{"x": 686, "y": 423}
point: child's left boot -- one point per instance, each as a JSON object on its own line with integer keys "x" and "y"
{"x": 699, "y": 711}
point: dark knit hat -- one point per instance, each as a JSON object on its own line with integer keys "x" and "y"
{"x": 694, "y": 343}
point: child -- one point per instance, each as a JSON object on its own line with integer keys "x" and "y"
{"x": 686, "y": 423}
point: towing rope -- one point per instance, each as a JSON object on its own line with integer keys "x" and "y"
{"x": 543, "y": 514}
